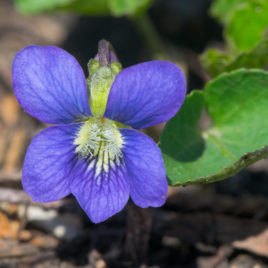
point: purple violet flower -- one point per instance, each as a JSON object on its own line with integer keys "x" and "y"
{"x": 85, "y": 153}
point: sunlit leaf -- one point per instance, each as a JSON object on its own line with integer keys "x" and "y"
{"x": 237, "y": 103}
{"x": 247, "y": 25}
{"x": 224, "y": 9}
{"x": 36, "y": 6}
{"x": 84, "y": 7}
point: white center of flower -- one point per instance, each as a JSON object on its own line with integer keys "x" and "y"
{"x": 99, "y": 138}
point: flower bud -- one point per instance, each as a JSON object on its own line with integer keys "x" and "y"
{"x": 102, "y": 72}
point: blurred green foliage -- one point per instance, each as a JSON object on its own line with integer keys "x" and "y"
{"x": 217, "y": 62}
{"x": 84, "y": 7}
{"x": 237, "y": 104}
{"x": 223, "y": 10}
{"x": 126, "y": 7}
{"x": 245, "y": 35}
{"x": 33, "y": 6}
{"x": 247, "y": 25}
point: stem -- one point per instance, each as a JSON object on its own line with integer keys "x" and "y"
{"x": 155, "y": 44}
{"x": 139, "y": 223}
{"x": 150, "y": 36}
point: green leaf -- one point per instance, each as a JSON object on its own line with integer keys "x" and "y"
{"x": 237, "y": 103}
{"x": 247, "y": 25}
{"x": 126, "y": 7}
{"x": 84, "y": 7}
{"x": 36, "y": 6}
{"x": 87, "y": 7}
{"x": 246, "y": 36}
{"x": 216, "y": 62}
{"x": 256, "y": 58}
{"x": 223, "y": 9}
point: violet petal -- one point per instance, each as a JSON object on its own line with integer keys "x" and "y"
{"x": 100, "y": 193}
{"x": 146, "y": 94}
{"x": 146, "y": 170}
{"x": 50, "y": 85}
{"x": 49, "y": 162}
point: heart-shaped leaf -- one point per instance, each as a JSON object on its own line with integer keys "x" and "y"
{"x": 237, "y": 104}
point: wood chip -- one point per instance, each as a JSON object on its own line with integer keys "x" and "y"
{"x": 9, "y": 110}
{"x": 257, "y": 244}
